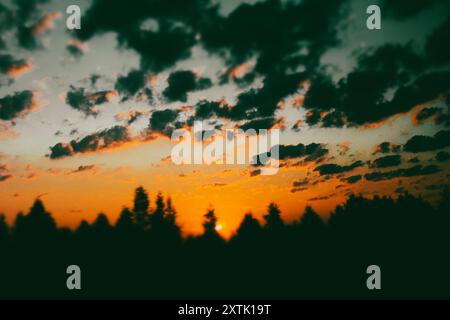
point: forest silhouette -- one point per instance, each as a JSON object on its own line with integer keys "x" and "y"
{"x": 144, "y": 255}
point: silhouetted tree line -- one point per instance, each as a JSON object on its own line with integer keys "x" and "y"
{"x": 145, "y": 256}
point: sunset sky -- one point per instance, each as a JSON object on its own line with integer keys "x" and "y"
{"x": 86, "y": 115}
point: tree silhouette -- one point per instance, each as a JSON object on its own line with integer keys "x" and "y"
{"x": 309, "y": 257}
{"x": 125, "y": 224}
{"x": 273, "y": 218}
{"x": 37, "y": 225}
{"x": 4, "y": 229}
{"x": 170, "y": 213}
{"x": 157, "y": 217}
{"x": 209, "y": 222}
{"x": 101, "y": 226}
{"x": 311, "y": 222}
{"x": 140, "y": 208}
{"x": 249, "y": 229}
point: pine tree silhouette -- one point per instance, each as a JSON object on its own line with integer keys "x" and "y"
{"x": 141, "y": 207}
{"x": 310, "y": 257}
{"x": 4, "y": 229}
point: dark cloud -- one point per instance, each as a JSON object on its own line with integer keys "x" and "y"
{"x": 319, "y": 198}
{"x": 418, "y": 170}
{"x": 386, "y": 147}
{"x": 442, "y": 156}
{"x": 16, "y": 104}
{"x": 420, "y": 143}
{"x": 83, "y": 168}
{"x": 437, "y": 46}
{"x": 284, "y": 37}
{"x": 300, "y": 183}
{"x": 434, "y": 187}
{"x": 183, "y": 81}
{"x": 4, "y": 177}
{"x": 96, "y": 141}
{"x": 130, "y": 116}
{"x": 163, "y": 121}
{"x": 414, "y": 160}
{"x": 274, "y": 32}
{"x": 390, "y": 67}
{"x": 299, "y": 189}
{"x": 352, "y": 179}
{"x": 129, "y": 85}
{"x": 263, "y": 102}
{"x": 443, "y": 119}
{"x": 436, "y": 114}
{"x": 6, "y": 22}
{"x": 26, "y": 19}
{"x": 426, "y": 113}
{"x": 260, "y": 124}
{"x": 386, "y": 161}
{"x": 9, "y": 64}
{"x": 74, "y": 50}
{"x": 331, "y": 168}
{"x": 405, "y": 9}
{"x": 169, "y": 38}
{"x": 310, "y": 152}
{"x": 208, "y": 109}
{"x": 86, "y": 102}
{"x": 255, "y": 172}
{"x": 5, "y": 172}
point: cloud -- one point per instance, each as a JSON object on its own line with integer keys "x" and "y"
{"x": 16, "y": 105}
{"x": 352, "y": 179}
{"x": 254, "y": 173}
{"x": 6, "y": 130}
{"x": 386, "y": 147}
{"x": 331, "y": 168}
{"x": 311, "y": 152}
{"x": 426, "y": 113}
{"x": 344, "y": 147}
{"x": 13, "y": 67}
{"x": 386, "y": 161}
{"x": 129, "y": 116}
{"x": 300, "y": 183}
{"x": 5, "y": 172}
{"x": 263, "y": 102}
{"x": 5, "y": 177}
{"x": 284, "y": 38}
{"x": 104, "y": 139}
{"x": 131, "y": 84}
{"x": 405, "y": 9}
{"x": 437, "y": 48}
{"x": 320, "y": 198}
{"x": 420, "y": 143}
{"x": 389, "y": 67}
{"x": 46, "y": 22}
{"x": 76, "y": 48}
{"x": 183, "y": 81}
{"x": 169, "y": 39}
{"x": 274, "y": 32}
{"x": 442, "y": 156}
{"x": 437, "y": 115}
{"x": 86, "y": 102}
{"x": 83, "y": 168}
{"x": 205, "y": 109}
{"x": 298, "y": 189}
{"x": 261, "y": 124}
{"x": 417, "y": 170}
{"x": 26, "y": 21}
{"x": 162, "y": 121}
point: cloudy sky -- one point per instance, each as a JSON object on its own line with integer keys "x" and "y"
{"x": 86, "y": 115}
